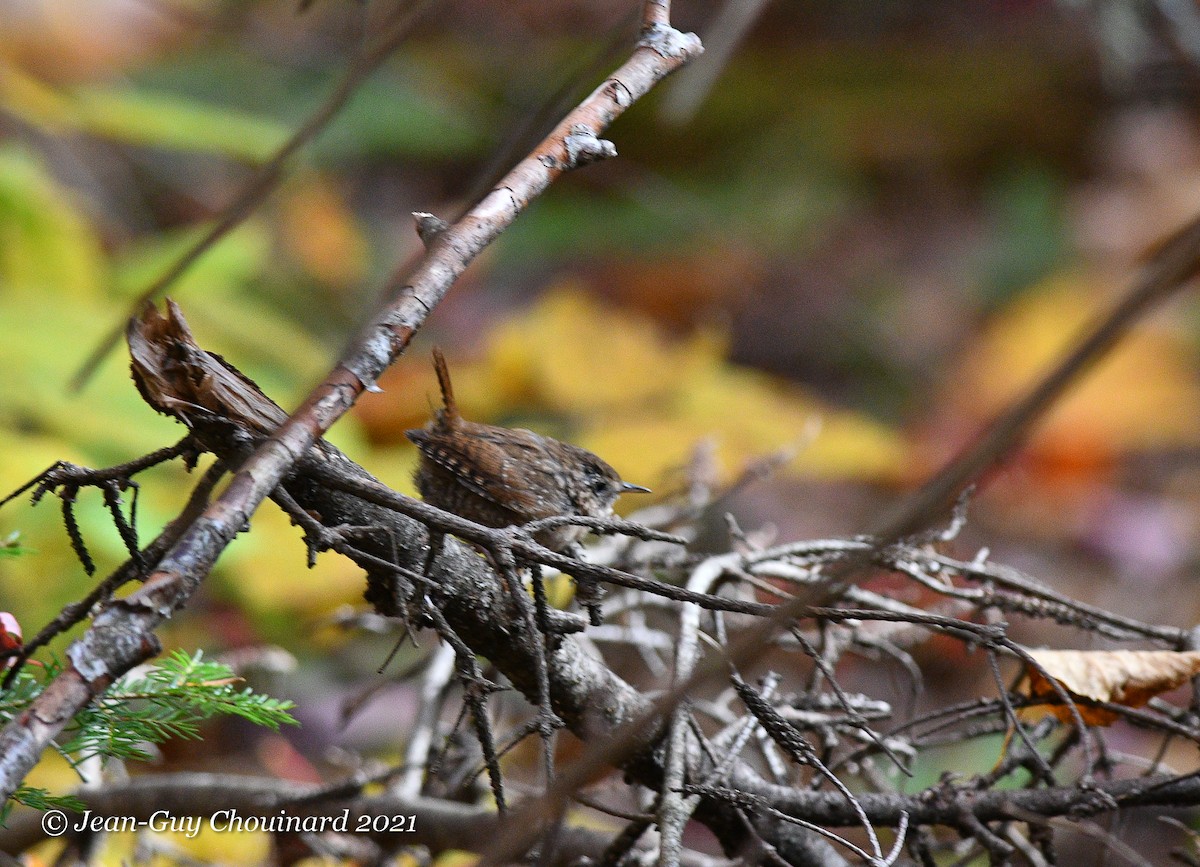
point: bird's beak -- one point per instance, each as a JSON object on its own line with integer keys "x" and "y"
{"x": 627, "y": 488}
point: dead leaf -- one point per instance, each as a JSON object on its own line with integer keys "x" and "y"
{"x": 1126, "y": 677}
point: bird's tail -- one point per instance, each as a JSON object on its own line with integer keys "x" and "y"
{"x": 449, "y": 415}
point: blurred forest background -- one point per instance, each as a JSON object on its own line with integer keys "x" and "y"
{"x": 884, "y": 217}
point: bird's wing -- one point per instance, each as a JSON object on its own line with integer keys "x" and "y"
{"x": 509, "y": 470}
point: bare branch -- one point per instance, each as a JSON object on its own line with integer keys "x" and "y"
{"x": 124, "y": 633}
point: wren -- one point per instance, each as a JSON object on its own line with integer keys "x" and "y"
{"x": 498, "y": 476}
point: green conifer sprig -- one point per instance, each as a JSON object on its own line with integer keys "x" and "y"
{"x": 168, "y": 700}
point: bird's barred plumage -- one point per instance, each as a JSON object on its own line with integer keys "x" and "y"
{"x": 502, "y": 476}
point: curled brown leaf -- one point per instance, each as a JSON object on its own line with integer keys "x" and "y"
{"x": 1126, "y": 677}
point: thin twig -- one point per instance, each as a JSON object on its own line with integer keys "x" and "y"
{"x": 266, "y": 177}
{"x": 424, "y": 729}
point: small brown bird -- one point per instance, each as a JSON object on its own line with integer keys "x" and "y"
{"x": 500, "y": 476}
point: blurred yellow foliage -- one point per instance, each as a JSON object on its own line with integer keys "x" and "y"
{"x": 614, "y": 382}
{"x": 138, "y": 117}
{"x": 1144, "y": 394}
{"x": 34, "y": 101}
{"x": 456, "y": 858}
{"x": 225, "y": 846}
{"x": 585, "y": 358}
{"x": 643, "y": 400}
{"x": 265, "y": 569}
{"x": 45, "y": 243}
{"x": 53, "y": 774}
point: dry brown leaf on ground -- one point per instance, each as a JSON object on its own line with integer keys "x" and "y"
{"x": 1126, "y": 677}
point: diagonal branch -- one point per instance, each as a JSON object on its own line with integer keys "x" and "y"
{"x": 1172, "y": 267}
{"x": 267, "y": 176}
{"x": 123, "y": 635}
{"x": 473, "y": 608}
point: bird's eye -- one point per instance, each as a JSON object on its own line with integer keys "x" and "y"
{"x": 596, "y": 479}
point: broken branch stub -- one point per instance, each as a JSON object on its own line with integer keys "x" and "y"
{"x": 199, "y": 388}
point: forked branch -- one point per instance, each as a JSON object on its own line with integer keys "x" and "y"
{"x": 124, "y": 633}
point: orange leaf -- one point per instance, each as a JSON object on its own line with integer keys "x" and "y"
{"x": 321, "y": 232}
